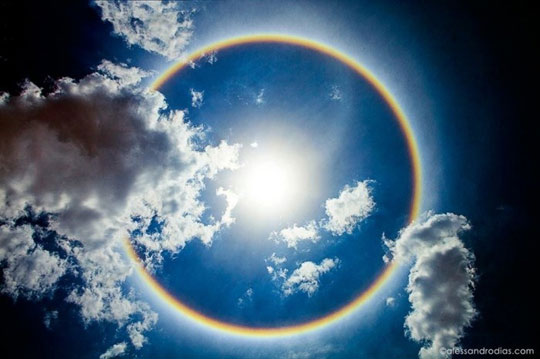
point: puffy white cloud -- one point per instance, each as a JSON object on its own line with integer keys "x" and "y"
{"x": 197, "y": 98}
{"x": 161, "y": 27}
{"x": 114, "y": 351}
{"x": 124, "y": 76}
{"x": 353, "y": 205}
{"x": 295, "y": 234}
{"x": 343, "y": 214}
{"x": 29, "y": 270}
{"x": 306, "y": 277}
{"x": 105, "y": 159}
{"x": 441, "y": 280}
{"x": 390, "y": 301}
{"x": 136, "y": 329}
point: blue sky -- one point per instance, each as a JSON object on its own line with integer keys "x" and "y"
{"x": 264, "y": 184}
{"x": 297, "y": 107}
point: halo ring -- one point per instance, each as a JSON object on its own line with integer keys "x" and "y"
{"x": 389, "y": 269}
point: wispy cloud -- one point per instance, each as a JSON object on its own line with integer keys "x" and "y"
{"x": 114, "y": 351}
{"x": 390, "y": 301}
{"x": 197, "y": 98}
{"x": 247, "y": 297}
{"x": 259, "y": 99}
{"x": 336, "y": 93}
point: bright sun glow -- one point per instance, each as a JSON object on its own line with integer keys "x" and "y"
{"x": 269, "y": 184}
{"x": 277, "y": 179}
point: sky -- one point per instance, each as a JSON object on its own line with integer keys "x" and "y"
{"x": 267, "y": 184}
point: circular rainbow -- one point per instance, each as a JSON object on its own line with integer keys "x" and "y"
{"x": 388, "y": 270}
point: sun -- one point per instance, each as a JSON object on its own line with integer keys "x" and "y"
{"x": 274, "y": 181}
{"x": 269, "y": 184}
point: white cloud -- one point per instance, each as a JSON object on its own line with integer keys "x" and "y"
{"x": 306, "y": 277}
{"x": 276, "y": 272}
{"x": 441, "y": 280}
{"x": 103, "y": 156}
{"x": 211, "y": 57}
{"x": 390, "y": 301}
{"x": 4, "y": 97}
{"x": 29, "y": 270}
{"x": 197, "y": 98}
{"x": 352, "y": 205}
{"x": 232, "y": 200}
{"x": 114, "y": 351}
{"x": 295, "y": 234}
{"x": 136, "y": 329}
{"x": 160, "y": 27}
{"x": 49, "y": 318}
{"x": 246, "y": 297}
{"x": 335, "y": 93}
{"x": 343, "y": 214}
{"x": 259, "y": 99}
{"x": 314, "y": 350}
{"x": 124, "y": 76}
{"x": 276, "y": 260}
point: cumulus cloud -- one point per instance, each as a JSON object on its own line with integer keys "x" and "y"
{"x": 103, "y": 158}
{"x": 441, "y": 280}
{"x": 135, "y": 330}
{"x": 343, "y": 214}
{"x": 353, "y": 205}
{"x": 295, "y": 234}
{"x": 28, "y": 269}
{"x": 306, "y": 277}
{"x": 197, "y": 98}
{"x": 114, "y": 351}
{"x": 390, "y": 301}
{"x": 164, "y": 28}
